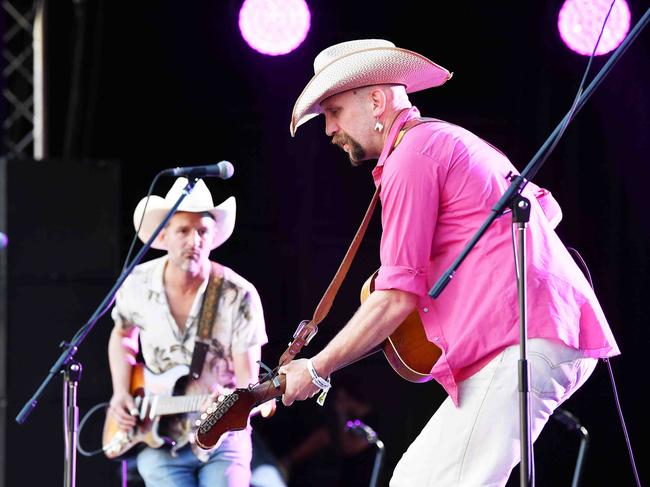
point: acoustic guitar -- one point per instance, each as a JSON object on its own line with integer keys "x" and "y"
{"x": 407, "y": 350}
{"x": 159, "y": 400}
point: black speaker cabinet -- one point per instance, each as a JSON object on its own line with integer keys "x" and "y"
{"x": 63, "y": 222}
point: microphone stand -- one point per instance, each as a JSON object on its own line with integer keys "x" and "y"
{"x": 363, "y": 430}
{"x": 512, "y": 199}
{"x": 520, "y": 217}
{"x": 573, "y": 424}
{"x": 72, "y": 372}
{"x": 71, "y": 377}
{"x": 376, "y": 466}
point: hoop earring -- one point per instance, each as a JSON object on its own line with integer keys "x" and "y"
{"x": 379, "y": 126}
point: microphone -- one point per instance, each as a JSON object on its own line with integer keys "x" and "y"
{"x": 361, "y": 429}
{"x": 567, "y": 419}
{"x": 221, "y": 170}
{"x": 4, "y": 240}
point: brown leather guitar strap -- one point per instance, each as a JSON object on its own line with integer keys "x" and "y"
{"x": 209, "y": 309}
{"x": 308, "y": 328}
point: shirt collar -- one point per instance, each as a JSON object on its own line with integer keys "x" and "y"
{"x": 401, "y": 119}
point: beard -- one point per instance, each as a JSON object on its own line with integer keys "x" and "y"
{"x": 189, "y": 265}
{"x": 357, "y": 153}
{"x": 189, "y": 262}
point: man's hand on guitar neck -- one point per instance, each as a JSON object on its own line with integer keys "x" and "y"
{"x": 123, "y": 409}
{"x": 299, "y": 385}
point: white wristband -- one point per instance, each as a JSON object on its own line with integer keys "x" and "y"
{"x": 318, "y": 381}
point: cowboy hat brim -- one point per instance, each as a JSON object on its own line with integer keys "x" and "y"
{"x": 366, "y": 67}
{"x": 157, "y": 208}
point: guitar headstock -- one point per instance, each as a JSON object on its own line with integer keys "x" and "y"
{"x": 228, "y": 414}
{"x": 232, "y": 411}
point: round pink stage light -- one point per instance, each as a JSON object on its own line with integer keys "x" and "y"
{"x": 580, "y": 22}
{"x": 274, "y": 27}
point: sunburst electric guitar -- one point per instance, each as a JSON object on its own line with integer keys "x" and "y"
{"x": 407, "y": 350}
{"x": 158, "y": 399}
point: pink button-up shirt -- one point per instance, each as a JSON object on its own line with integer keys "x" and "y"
{"x": 437, "y": 188}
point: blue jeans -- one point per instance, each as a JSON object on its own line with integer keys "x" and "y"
{"x": 229, "y": 465}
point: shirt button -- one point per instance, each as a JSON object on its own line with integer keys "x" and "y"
{"x": 425, "y": 309}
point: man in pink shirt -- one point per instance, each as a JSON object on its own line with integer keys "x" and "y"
{"x": 438, "y": 183}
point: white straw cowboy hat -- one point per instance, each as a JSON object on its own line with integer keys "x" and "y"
{"x": 198, "y": 201}
{"x": 367, "y": 62}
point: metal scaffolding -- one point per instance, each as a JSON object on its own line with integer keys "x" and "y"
{"x": 21, "y": 114}
{"x": 22, "y": 78}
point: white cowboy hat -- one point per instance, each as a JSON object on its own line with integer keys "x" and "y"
{"x": 367, "y": 62}
{"x": 198, "y": 201}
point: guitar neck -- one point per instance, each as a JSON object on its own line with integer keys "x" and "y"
{"x": 267, "y": 390}
{"x": 164, "y": 405}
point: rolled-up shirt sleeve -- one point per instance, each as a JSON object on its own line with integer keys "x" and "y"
{"x": 410, "y": 192}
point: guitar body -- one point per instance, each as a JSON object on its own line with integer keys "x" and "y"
{"x": 144, "y": 386}
{"x": 407, "y": 349}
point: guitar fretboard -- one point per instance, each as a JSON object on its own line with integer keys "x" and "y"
{"x": 162, "y": 405}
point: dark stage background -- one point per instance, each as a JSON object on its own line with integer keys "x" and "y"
{"x": 164, "y": 84}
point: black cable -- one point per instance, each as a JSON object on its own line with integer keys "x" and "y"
{"x": 135, "y": 237}
{"x": 626, "y": 435}
{"x": 582, "y": 264}
{"x": 82, "y": 423}
{"x": 619, "y": 409}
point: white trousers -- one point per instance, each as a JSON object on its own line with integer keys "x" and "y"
{"x": 478, "y": 443}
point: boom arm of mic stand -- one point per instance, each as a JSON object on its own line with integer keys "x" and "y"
{"x": 71, "y": 348}
{"x": 537, "y": 161}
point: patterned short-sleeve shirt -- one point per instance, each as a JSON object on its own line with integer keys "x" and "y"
{"x": 239, "y": 322}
